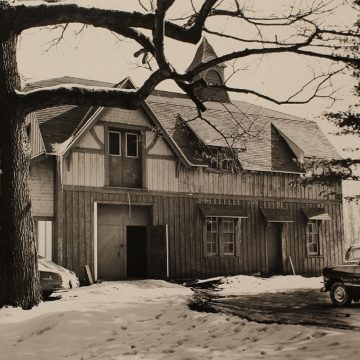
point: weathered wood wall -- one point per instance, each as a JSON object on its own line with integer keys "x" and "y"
{"x": 76, "y": 242}
{"x": 163, "y": 175}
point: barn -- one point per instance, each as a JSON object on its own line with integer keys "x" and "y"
{"x": 159, "y": 192}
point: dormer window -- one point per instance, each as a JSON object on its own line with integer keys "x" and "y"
{"x": 227, "y": 164}
{"x": 220, "y": 159}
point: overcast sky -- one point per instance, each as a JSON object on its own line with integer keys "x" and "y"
{"x": 96, "y": 54}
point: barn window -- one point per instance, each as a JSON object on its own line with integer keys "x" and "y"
{"x": 212, "y": 235}
{"x": 228, "y": 236}
{"x": 313, "y": 238}
{"x": 220, "y": 236}
{"x": 44, "y": 236}
{"x": 114, "y": 142}
{"x": 220, "y": 159}
{"x": 227, "y": 164}
{"x": 131, "y": 145}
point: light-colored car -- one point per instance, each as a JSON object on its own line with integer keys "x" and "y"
{"x": 54, "y": 277}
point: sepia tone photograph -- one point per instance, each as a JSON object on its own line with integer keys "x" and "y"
{"x": 179, "y": 179}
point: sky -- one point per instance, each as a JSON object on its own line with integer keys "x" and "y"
{"x": 97, "y": 54}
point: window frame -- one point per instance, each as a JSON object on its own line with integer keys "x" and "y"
{"x": 220, "y": 232}
{"x": 221, "y": 161}
{"x": 118, "y": 132}
{"x": 137, "y": 145}
{"x": 233, "y": 233}
{"x": 44, "y": 236}
{"x": 313, "y": 237}
{"x": 211, "y": 220}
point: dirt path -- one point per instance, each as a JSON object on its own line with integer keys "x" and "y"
{"x": 305, "y": 307}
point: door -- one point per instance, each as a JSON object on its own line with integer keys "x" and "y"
{"x": 157, "y": 252}
{"x": 274, "y": 248}
{"x": 111, "y": 245}
{"x": 136, "y": 251}
{"x": 124, "y": 158}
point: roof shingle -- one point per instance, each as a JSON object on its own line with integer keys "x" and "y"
{"x": 255, "y": 131}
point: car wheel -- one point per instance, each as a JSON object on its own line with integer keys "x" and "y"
{"x": 339, "y": 294}
{"x": 46, "y": 294}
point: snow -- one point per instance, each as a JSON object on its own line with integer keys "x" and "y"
{"x": 69, "y": 278}
{"x": 60, "y": 148}
{"x": 149, "y": 319}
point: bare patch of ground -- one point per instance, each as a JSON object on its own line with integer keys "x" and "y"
{"x": 296, "y": 307}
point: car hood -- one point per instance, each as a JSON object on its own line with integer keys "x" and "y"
{"x": 339, "y": 270}
{"x": 68, "y": 277}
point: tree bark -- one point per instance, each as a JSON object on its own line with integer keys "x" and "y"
{"x": 19, "y": 276}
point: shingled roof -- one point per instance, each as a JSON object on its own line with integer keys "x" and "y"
{"x": 261, "y": 146}
{"x": 204, "y": 53}
{"x": 262, "y": 136}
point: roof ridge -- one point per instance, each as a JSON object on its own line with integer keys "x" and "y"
{"x": 238, "y": 111}
{"x": 70, "y": 77}
{"x": 267, "y": 108}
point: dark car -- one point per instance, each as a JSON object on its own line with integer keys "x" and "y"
{"x": 54, "y": 277}
{"x": 343, "y": 281}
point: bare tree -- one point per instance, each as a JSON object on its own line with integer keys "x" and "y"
{"x": 296, "y": 30}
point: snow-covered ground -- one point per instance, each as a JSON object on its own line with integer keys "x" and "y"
{"x": 242, "y": 284}
{"x": 150, "y": 320}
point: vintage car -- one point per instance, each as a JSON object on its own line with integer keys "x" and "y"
{"x": 343, "y": 281}
{"x": 54, "y": 277}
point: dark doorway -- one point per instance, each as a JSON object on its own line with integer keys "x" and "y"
{"x": 136, "y": 251}
{"x": 274, "y": 248}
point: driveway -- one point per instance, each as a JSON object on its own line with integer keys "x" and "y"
{"x": 305, "y": 307}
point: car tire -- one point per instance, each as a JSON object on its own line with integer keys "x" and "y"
{"x": 339, "y": 294}
{"x": 46, "y": 294}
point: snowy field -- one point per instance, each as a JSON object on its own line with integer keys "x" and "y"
{"x": 150, "y": 320}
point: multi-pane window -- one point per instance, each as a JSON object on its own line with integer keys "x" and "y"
{"x": 228, "y": 227}
{"x": 114, "y": 142}
{"x": 220, "y": 236}
{"x": 220, "y": 159}
{"x": 212, "y": 235}
{"x": 312, "y": 238}
{"x": 131, "y": 145}
{"x": 227, "y": 164}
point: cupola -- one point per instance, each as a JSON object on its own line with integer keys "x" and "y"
{"x": 212, "y": 76}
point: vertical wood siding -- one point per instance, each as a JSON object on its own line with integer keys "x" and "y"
{"x": 163, "y": 175}
{"x": 84, "y": 169}
{"x": 186, "y": 222}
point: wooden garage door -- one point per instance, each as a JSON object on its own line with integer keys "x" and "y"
{"x": 111, "y": 243}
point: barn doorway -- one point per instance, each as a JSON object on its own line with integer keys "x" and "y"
{"x": 136, "y": 245}
{"x": 274, "y": 248}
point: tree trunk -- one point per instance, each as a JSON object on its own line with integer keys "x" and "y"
{"x": 19, "y": 277}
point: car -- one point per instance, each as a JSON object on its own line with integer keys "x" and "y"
{"x": 54, "y": 277}
{"x": 343, "y": 281}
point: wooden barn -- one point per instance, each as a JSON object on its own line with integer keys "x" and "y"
{"x": 159, "y": 192}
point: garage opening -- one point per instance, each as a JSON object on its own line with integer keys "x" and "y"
{"x": 274, "y": 248}
{"x": 136, "y": 244}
